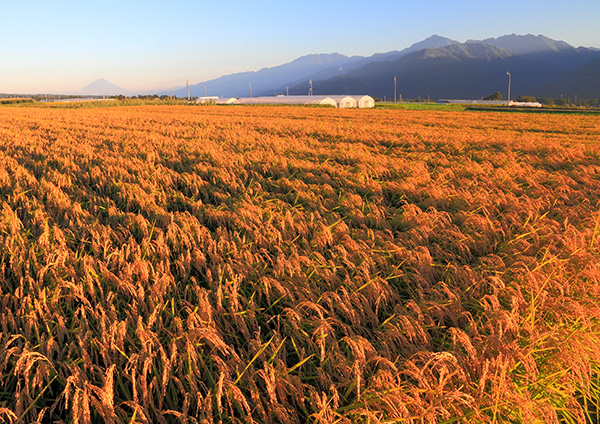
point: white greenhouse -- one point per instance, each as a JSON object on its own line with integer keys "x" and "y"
{"x": 344, "y": 102}
{"x": 364, "y": 102}
{"x": 225, "y": 100}
{"x": 287, "y": 100}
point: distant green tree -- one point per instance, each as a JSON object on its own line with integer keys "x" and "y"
{"x": 495, "y": 96}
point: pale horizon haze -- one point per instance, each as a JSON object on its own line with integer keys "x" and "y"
{"x": 62, "y": 46}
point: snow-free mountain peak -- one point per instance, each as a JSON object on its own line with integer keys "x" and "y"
{"x": 527, "y": 44}
{"x": 102, "y": 87}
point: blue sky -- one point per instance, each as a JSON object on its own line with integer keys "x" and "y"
{"x": 64, "y": 45}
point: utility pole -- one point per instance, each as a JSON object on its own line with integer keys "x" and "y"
{"x": 509, "y": 78}
{"x": 311, "y": 90}
{"x": 205, "y": 91}
{"x": 250, "y": 90}
{"x": 287, "y": 91}
{"x": 188, "y": 87}
{"x": 394, "y": 89}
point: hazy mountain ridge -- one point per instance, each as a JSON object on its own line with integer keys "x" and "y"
{"x": 358, "y": 61}
{"x": 458, "y": 70}
{"x": 526, "y": 44}
{"x": 552, "y": 57}
{"x": 436, "y": 67}
{"x": 270, "y": 81}
{"x": 473, "y": 70}
{"x": 266, "y": 79}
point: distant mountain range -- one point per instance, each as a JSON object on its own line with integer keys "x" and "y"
{"x": 436, "y": 67}
{"x": 538, "y": 65}
{"x": 269, "y": 80}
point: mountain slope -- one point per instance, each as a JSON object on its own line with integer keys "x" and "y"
{"x": 554, "y": 58}
{"x": 274, "y": 80}
{"x": 266, "y": 79}
{"x": 527, "y": 44}
{"x": 436, "y": 67}
{"x": 583, "y": 82}
{"x": 458, "y": 70}
{"x": 471, "y": 70}
{"x": 432, "y": 42}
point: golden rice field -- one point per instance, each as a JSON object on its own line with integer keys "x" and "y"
{"x": 175, "y": 264}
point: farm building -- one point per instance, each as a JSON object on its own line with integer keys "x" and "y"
{"x": 341, "y": 102}
{"x": 225, "y": 100}
{"x": 344, "y": 102}
{"x": 525, "y": 104}
{"x": 364, "y": 102}
{"x": 287, "y": 100}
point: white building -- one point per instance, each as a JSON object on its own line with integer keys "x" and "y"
{"x": 525, "y": 104}
{"x": 364, "y": 102}
{"x": 344, "y": 102}
{"x": 287, "y": 100}
{"x": 225, "y": 100}
{"x": 341, "y": 102}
